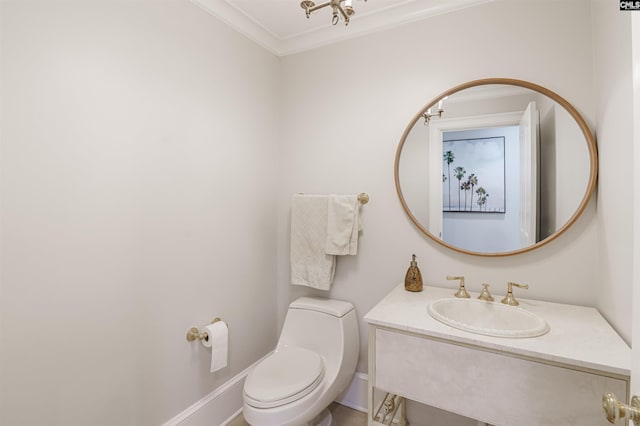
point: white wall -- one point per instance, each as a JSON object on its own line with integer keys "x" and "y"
{"x": 635, "y": 373}
{"x": 138, "y": 167}
{"x": 140, "y": 147}
{"x": 414, "y": 172}
{"x": 345, "y": 107}
{"x": 572, "y": 177}
{"x": 614, "y": 133}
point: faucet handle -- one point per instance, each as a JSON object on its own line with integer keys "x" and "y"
{"x": 510, "y": 299}
{"x": 485, "y": 295}
{"x": 462, "y": 291}
{"x": 511, "y": 284}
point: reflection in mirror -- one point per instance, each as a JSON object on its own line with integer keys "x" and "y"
{"x": 495, "y": 167}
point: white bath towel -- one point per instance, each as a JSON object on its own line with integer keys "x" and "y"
{"x": 310, "y": 265}
{"x": 343, "y": 225}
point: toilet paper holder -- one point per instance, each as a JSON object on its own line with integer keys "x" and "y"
{"x": 194, "y": 333}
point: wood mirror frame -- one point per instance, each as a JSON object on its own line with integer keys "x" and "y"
{"x": 584, "y": 128}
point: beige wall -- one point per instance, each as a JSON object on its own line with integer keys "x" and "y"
{"x": 345, "y": 107}
{"x": 614, "y": 132}
{"x": 138, "y": 163}
{"x": 635, "y": 374}
{"x": 148, "y": 150}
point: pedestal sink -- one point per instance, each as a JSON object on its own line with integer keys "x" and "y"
{"x": 488, "y": 318}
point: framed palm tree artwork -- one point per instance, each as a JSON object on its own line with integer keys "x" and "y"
{"x": 473, "y": 175}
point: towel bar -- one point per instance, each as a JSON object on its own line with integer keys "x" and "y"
{"x": 363, "y": 197}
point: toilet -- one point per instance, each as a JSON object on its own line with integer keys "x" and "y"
{"x": 314, "y": 361}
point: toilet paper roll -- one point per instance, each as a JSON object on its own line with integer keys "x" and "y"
{"x": 218, "y": 341}
{"x": 206, "y": 342}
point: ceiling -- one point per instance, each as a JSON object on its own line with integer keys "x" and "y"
{"x": 281, "y": 25}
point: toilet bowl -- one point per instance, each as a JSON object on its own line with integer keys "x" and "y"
{"x": 314, "y": 361}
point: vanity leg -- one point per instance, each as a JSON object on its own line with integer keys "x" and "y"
{"x": 403, "y": 413}
{"x": 399, "y": 404}
{"x": 372, "y": 376}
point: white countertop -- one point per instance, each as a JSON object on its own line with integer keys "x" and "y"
{"x": 578, "y": 336}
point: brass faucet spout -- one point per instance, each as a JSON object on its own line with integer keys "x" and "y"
{"x": 462, "y": 291}
{"x": 510, "y": 299}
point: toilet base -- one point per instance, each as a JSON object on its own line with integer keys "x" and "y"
{"x": 323, "y": 419}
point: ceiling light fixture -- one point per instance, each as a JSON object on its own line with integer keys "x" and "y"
{"x": 340, "y": 7}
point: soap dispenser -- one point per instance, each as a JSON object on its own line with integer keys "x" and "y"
{"x": 413, "y": 279}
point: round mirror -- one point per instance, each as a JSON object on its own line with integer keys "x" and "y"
{"x": 495, "y": 167}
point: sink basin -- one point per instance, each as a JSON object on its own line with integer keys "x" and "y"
{"x": 488, "y": 318}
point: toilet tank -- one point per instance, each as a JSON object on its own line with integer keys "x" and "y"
{"x": 336, "y": 308}
{"x": 325, "y": 326}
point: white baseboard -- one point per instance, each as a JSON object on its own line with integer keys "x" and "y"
{"x": 217, "y": 408}
{"x": 222, "y": 405}
{"x": 356, "y": 394}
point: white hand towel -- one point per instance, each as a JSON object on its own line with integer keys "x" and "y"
{"x": 343, "y": 225}
{"x": 310, "y": 265}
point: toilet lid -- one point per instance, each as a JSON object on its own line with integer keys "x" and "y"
{"x": 284, "y": 376}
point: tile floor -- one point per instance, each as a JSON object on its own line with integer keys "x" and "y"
{"x": 342, "y": 416}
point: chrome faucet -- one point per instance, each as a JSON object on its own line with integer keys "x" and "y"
{"x": 462, "y": 292}
{"x": 509, "y": 299}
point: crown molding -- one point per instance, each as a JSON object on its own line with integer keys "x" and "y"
{"x": 242, "y": 23}
{"x": 364, "y": 24}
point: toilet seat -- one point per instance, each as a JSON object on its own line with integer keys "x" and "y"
{"x": 283, "y": 377}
